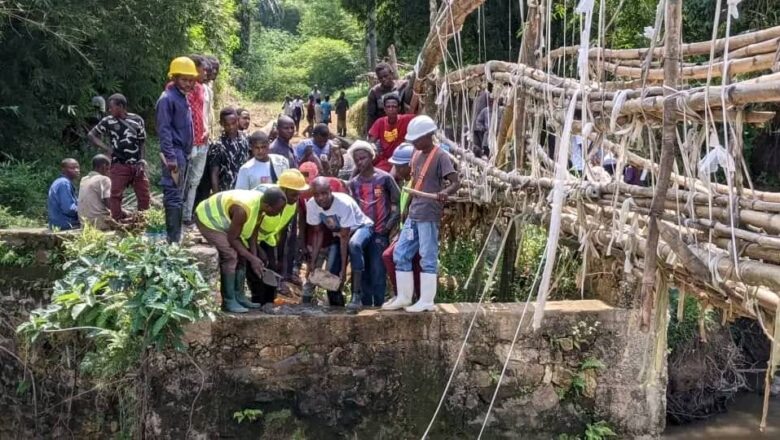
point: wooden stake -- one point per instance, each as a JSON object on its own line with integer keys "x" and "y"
{"x": 673, "y": 25}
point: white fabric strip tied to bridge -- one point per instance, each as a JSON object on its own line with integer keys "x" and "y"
{"x": 734, "y": 8}
{"x": 558, "y": 193}
{"x": 716, "y": 158}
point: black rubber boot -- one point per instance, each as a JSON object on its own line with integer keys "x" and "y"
{"x": 173, "y": 224}
{"x": 240, "y": 296}
{"x": 356, "y": 303}
{"x": 335, "y": 299}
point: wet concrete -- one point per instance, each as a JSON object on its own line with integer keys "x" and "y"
{"x": 740, "y": 422}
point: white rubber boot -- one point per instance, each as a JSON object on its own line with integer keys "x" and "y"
{"x": 428, "y": 285}
{"x": 405, "y": 281}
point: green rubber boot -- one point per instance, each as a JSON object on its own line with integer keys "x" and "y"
{"x": 227, "y": 287}
{"x": 240, "y": 296}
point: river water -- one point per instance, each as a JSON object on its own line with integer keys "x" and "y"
{"x": 740, "y": 422}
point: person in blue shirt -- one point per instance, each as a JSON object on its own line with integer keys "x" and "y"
{"x": 316, "y": 149}
{"x": 62, "y": 202}
{"x": 174, "y": 128}
{"x": 326, "y": 107}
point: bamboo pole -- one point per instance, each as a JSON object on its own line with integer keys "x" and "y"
{"x": 689, "y": 49}
{"x": 743, "y": 65}
{"x": 673, "y": 26}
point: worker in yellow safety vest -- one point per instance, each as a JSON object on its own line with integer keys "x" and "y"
{"x": 272, "y": 236}
{"x": 230, "y": 221}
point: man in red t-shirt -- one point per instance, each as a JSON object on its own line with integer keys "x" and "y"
{"x": 389, "y": 131}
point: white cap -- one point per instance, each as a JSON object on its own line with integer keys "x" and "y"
{"x": 420, "y": 126}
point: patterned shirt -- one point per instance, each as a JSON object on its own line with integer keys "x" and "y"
{"x": 375, "y": 196}
{"x": 126, "y": 137}
{"x": 228, "y": 154}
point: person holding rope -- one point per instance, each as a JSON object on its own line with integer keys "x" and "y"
{"x": 434, "y": 180}
{"x": 230, "y": 222}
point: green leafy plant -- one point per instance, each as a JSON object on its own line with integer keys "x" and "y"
{"x": 592, "y": 364}
{"x": 599, "y": 431}
{"x": 155, "y": 220}
{"x": 578, "y": 385}
{"x": 247, "y": 414}
{"x": 9, "y": 219}
{"x": 14, "y": 258}
{"x": 125, "y": 294}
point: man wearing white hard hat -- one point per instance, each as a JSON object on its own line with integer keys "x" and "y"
{"x": 433, "y": 173}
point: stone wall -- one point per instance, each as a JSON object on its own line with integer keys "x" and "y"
{"x": 380, "y": 375}
{"x": 318, "y": 374}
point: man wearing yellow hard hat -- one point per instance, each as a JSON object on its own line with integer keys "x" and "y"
{"x": 174, "y": 128}
{"x": 272, "y": 236}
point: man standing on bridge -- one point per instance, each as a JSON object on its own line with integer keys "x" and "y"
{"x": 434, "y": 174}
{"x": 174, "y": 127}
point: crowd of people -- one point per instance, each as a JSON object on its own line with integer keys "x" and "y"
{"x": 271, "y": 208}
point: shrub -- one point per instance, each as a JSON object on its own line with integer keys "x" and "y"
{"x": 11, "y": 220}
{"x": 127, "y": 295}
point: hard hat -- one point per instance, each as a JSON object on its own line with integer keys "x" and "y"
{"x": 402, "y": 154}
{"x": 182, "y": 66}
{"x": 293, "y": 179}
{"x": 361, "y": 145}
{"x": 420, "y": 126}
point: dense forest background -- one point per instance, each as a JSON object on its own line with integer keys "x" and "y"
{"x": 56, "y": 55}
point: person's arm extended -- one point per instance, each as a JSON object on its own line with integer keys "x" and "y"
{"x": 315, "y": 249}
{"x": 451, "y": 188}
{"x": 344, "y": 245}
{"x": 281, "y": 248}
{"x": 238, "y": 217}
{"x": 95, "y": 137}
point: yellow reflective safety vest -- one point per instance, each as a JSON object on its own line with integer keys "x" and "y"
{"x": 270, "y": 227}
{"x": 213, "y": 212}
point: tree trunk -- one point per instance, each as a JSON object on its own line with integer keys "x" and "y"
{"x": 516, "y": 107}
{"x": 245, "y": 22}
{"x": 672, "y": 42}
{"x": 452, "y": 16}
{"x": 371, "y": 38}
{"x": 392, "y": 59}
{"x": 433, "y": 8}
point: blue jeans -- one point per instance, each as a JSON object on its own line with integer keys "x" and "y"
{"x": 358, "y": 242}
{"x": 417, "y": 237}
{"x": 375, "y": 274}
{"x": 194, "y": 174}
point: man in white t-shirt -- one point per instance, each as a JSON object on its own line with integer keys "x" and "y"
{"x": 340, "y": 215}
{"x": 263, "y": 168}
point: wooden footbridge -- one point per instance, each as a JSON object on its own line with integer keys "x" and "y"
{"x": 700, "y": 225}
